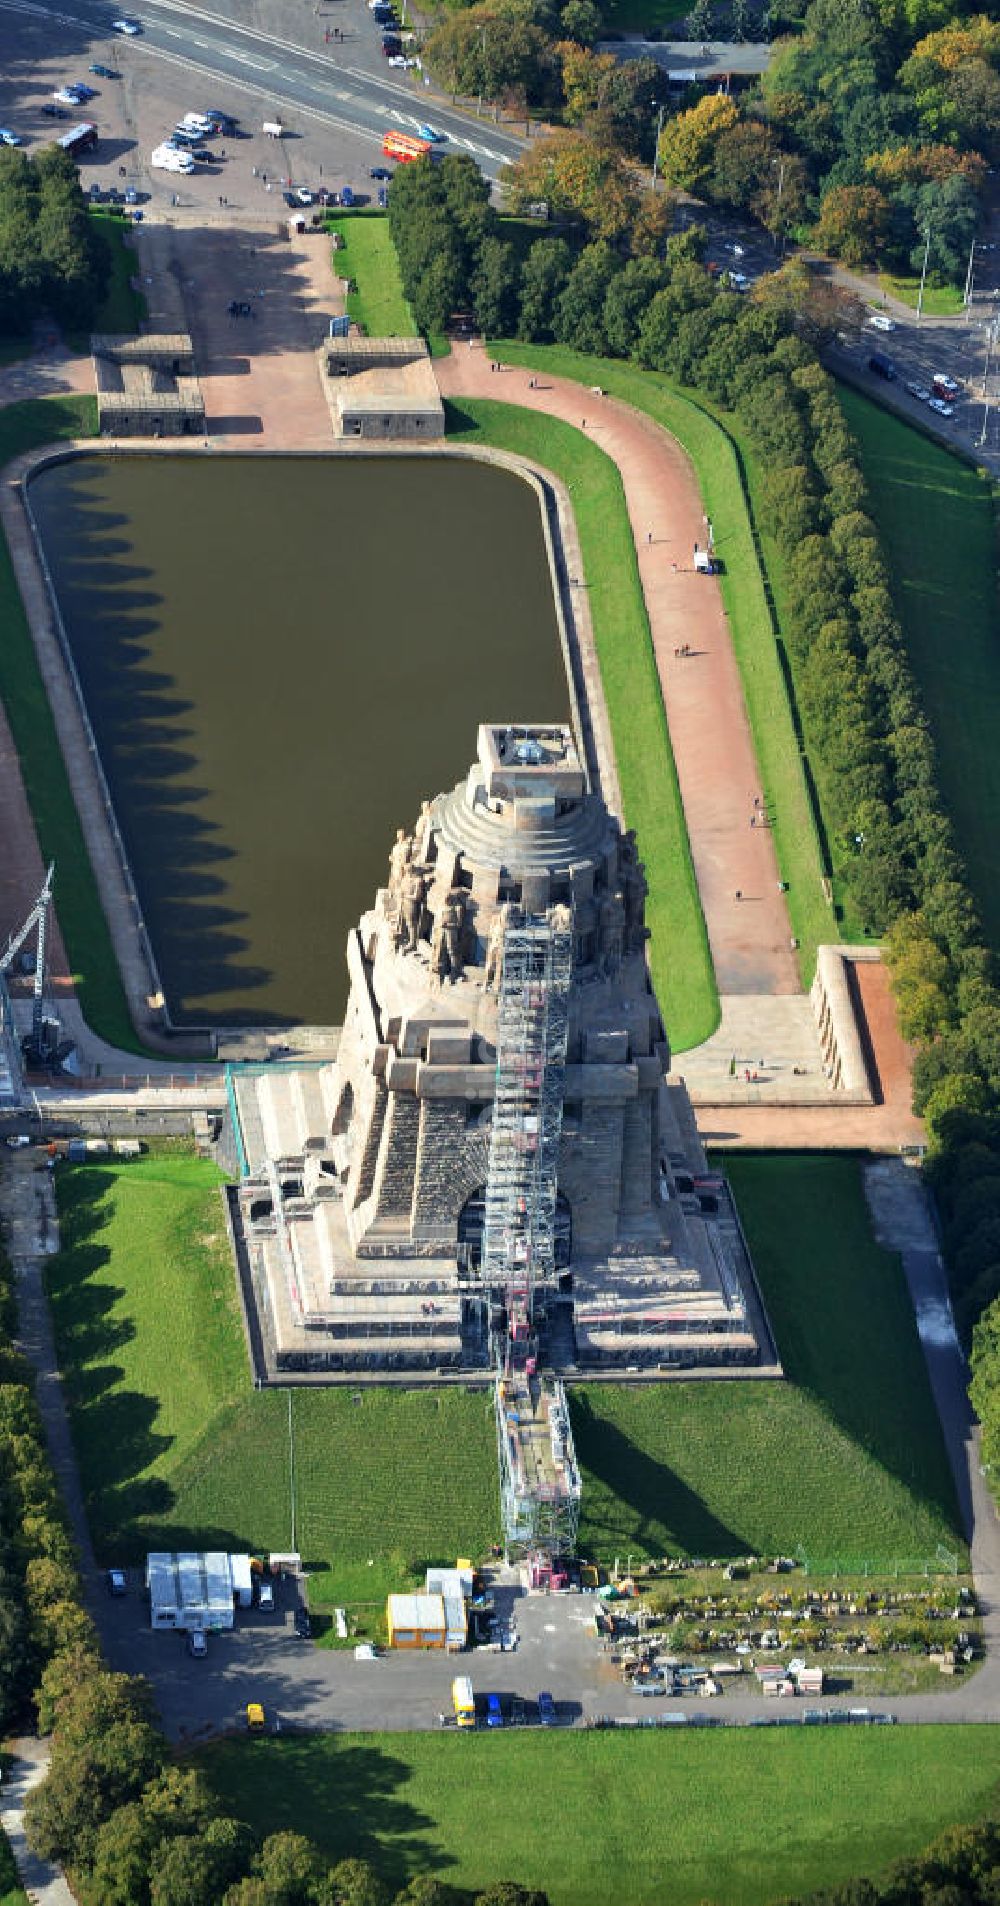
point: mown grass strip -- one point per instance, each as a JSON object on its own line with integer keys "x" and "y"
{"x": 738, "y": 1816}
{"x": 935, "y": 515}
{"x": 679, "y": 952}
{"x": 710, "y": 444}
{"x": 368, "y": 259}
{"x": 89, "y": 947}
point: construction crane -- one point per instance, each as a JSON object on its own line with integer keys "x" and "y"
{"x": 41, "y": 1044}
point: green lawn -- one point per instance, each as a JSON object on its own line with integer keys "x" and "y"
{"x": 843, "y": 1463}
{"x": 369, "y": 258}
{"x": 940, "y": 301}
{"x": 679, "y": 953}
{"x": 737, "y": 1817}
{"x": 936, "y": 519}
{"x": 175, "y": 1447}
{"x": 26, "y": 426}
{"x": 123, "y": 308}
{"x": 712, "y": 446}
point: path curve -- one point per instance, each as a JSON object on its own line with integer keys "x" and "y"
{"x": 716, "y": 761}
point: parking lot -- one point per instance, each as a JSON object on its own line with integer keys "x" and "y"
{"x": 301, "y": 1684}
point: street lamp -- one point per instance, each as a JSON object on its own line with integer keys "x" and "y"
{"x": 660, "y": 110}
{"x": 780, "y": 163}
{"x": 923, "y": 272}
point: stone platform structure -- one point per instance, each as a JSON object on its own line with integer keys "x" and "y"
{"x": 362, "y": 1202}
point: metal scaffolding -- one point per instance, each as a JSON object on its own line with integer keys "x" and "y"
{"x": 539, "y": 1479}
{"x": 519, "y": 1218}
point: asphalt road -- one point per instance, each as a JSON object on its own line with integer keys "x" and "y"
{"x": 344, "y": 86}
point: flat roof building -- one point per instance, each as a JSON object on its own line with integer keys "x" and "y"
{"x": 193, "y": 1590}
{"x": 416, "y": 1621}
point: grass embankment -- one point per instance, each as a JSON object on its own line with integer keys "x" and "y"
{"x": 709, "y": 442}
{"x": 737, "y": 1817}
{"x": 176, "y": 1449}
{"x": 935, "y": 515}
{"x": 368, "y": 259}
{"x": 91, "y": 955}
{"x": 679, "y": 953}
{"x": 842, "y": 1464}
{"x": 124, "y": 307}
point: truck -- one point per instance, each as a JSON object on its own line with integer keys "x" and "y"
{"x": 945, "y": 387}
{"x": 463, "y": 1701}
{"x": 882, "y": 366}
{"x": 404, "y": 147}
{"x": 79, "y": 140}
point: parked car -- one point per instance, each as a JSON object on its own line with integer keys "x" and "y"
{"x": 129, "y": 27}
{"x": 117, "y": 1584}
{"x": 546, "y": 1709}
{"x": 131, "y": 196}
{"x": 304, "y": 196}
{"x": 198, "y": 1645}
{"x": 396, "y": 59}
{"x": 265, "y": 1595}
{"x": 920, "y": 392}
{"x": 517, "y": 1712}
{"x": 17, "y": 1140}
{"x": 8, "y": 138}
{"x": 290, "y": 199}
{"x": 943, "y": 410}
{"x": 945, "y": 387}
{"x": 104, "y": 72}
{"x": 82, "y": 92}
{"x": 67, "y": 96}
{"x": 204, "y": 156}
{"x": 303, "y": 1624}
{"x": 255, "y": 1717}
{"x": 494, "y": 1712}
{"x": 52, "y": 111}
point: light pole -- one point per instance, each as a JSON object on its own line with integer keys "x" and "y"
{"x": 780, "y": 163}
{"x": 923, "y": 272}
{"x": 660, "y": 110}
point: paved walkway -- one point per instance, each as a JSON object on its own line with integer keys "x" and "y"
{"x": 41, "y": 1882}
{"x": 702, "y": 692}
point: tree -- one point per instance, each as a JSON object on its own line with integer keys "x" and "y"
{"x": 585, "y": 76}
{"x": 687, "y": 143}
{"x": 352, "y": 1883}
{"x": 494, "y": 288}
{"x": 581, "y": 178}
{"x": 543, "y": 275}
{"x": 581, "y": 20}
{"x": 853, "y": 223}
{"x": 949, "y": 211}
{"x": 628, "y": 294}
{"x": 197, "y": 1872}
{"x": 579, "y": 316}
{"x": 699, "y": 20}
{"x": 509, "y": 1893}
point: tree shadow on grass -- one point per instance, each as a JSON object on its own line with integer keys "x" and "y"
{"x": 659, "y": 1512}
{"x": 350, "y": 1802}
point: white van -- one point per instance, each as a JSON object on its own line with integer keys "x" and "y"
{"x": 880, "y": 321}
{"x": 171, "y": 159}
{"x": 273, "y": 129}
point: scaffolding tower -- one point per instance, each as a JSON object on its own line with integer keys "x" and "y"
{"x": 539, "y": 1478}
{"x": 518, "y": 1250}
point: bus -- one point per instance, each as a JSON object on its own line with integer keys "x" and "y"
{"x": 462, "y": 1701}
{"x": 80, "y": 140}
{"x": 404, "y": 147}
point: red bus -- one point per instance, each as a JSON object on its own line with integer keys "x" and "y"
{"x": 80, "y": 140}
{"x": 404, "y": 147}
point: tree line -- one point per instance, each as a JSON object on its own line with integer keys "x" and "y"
{"x": 131, "y": 1825}
{"x": 889, "y": 840}
{"x": 53, "y": 259}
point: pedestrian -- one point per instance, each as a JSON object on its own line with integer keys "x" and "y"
{"x": 674, "y": 568}
{"x": 220, "y": 198}
{"x": 753, "y": 820}
{"x": 223, "y": 152}
{"x": 256, "y": 173}
{"x": 263, "y": 178}
{"x": 583, "y": 423}
{"x": 739, "y": 893}
{"x": 649, "y": 539}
